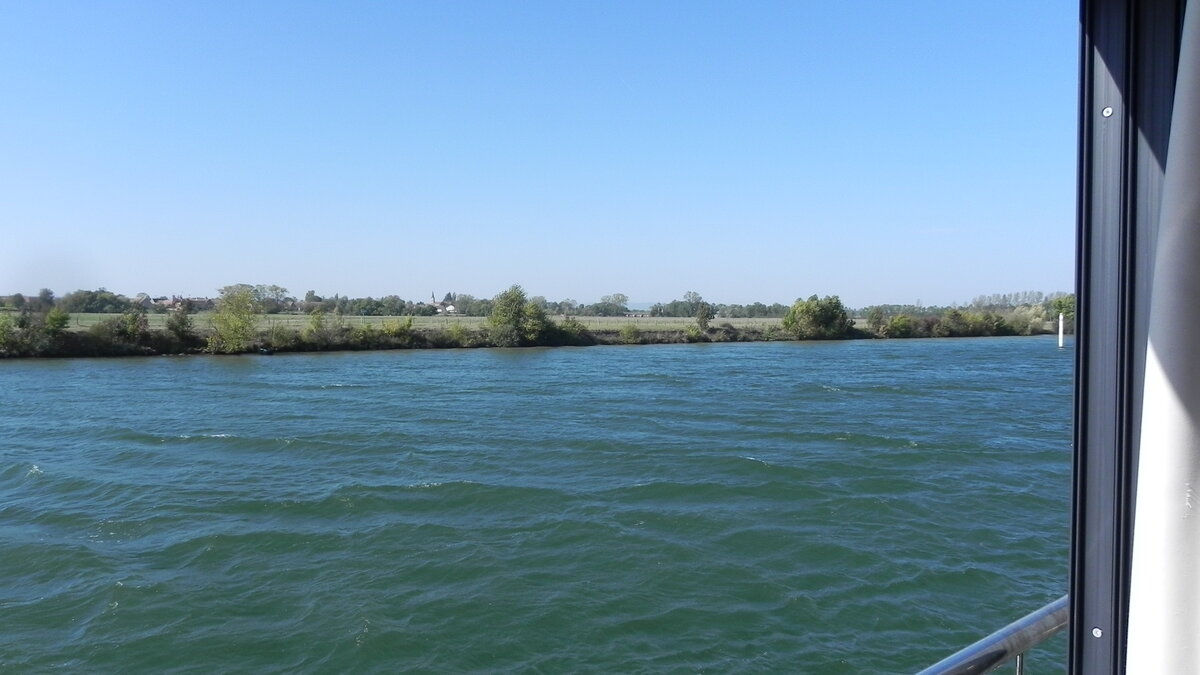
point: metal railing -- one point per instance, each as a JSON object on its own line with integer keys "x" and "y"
{"x": 1007, "y": 644}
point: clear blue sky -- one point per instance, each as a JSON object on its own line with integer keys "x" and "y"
{"x": 883, "y": 151}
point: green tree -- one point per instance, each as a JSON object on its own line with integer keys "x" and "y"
{"x": 469, "y": 305}
{"x": 56, "y": 322}
{"x": 236, "y": 288}
{"x": 179, "y": 324}
{"x": 876, "y": 320}
{"x": 391, "y": 305}
{"x": 991, "y": 323}
{"x": 99, "y": 301}
{"x": 26, "y": 334}
{"x": 616, "y": 304}
{"x": 818, "y": 319}
{"x": 504, "y": 323}
{"x": 45, "y": 299}
{"x": 1027, "y": 319}
{"x": 574, "y": 333}
{"x": 954, "y": 323}
{"x": 1064, "y": 305}
{"x": 317, "y": 332}
{"x": 271, "y": 292}
{"x": 618, "y": 299}
{"x": 515, "y": 320}
{"x": 8, "y": 335}
{"x": 365, "y": 307}
{"x": 271, "y": 299}
{"x": 233, "y": 320}
{"x": 533, "y": 323}
{"x": 132, "y": 326}
{"x": 900, "y": 326}
{"x": 704, "y": 314}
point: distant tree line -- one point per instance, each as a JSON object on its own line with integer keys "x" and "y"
{"x": 1025, "y": 313}
{"x": 38, "y": 326}
{"x": 692, "y": 301}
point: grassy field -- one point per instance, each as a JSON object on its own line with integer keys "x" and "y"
{"x": 300, "y": 321}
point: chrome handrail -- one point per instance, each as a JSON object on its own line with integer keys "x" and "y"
{"x": 1006, "y": 644}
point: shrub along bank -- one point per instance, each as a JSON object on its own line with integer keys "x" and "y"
{"x": 121, "y": 336}
{"x": 515, "y": 321}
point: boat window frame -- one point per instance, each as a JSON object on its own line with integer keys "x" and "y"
{"x": 1129, "y": 54}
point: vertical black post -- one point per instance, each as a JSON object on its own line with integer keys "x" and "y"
{"x": 1101, "y": 411}
{"x": 1128, "y": 59}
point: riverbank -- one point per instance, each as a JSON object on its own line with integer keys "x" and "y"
{"x": 242, "y": 321}
{"x": 104, "y": 341}
{"x": 113, "y": 339}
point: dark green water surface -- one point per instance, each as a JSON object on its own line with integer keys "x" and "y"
{"x": 849, "y": 507}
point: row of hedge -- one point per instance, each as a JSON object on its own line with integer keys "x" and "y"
{"x": 32, "y": 334}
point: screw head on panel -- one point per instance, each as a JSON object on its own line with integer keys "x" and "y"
{"x": 1107, "y": 112}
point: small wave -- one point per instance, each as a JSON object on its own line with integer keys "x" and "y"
{"x": 680, "y": 493}
{"x": 189, "y": 436}
{"x": 438, "y": 420}
{"x": 363, "y": 630}
{"x": 34, "y": 470}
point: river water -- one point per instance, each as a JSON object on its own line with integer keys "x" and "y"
{"x": 843, "y": 507}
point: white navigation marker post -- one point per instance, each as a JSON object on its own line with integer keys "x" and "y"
{"x": 1060, "y": 330}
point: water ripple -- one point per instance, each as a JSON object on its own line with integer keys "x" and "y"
{"x": 851, "y": 507}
